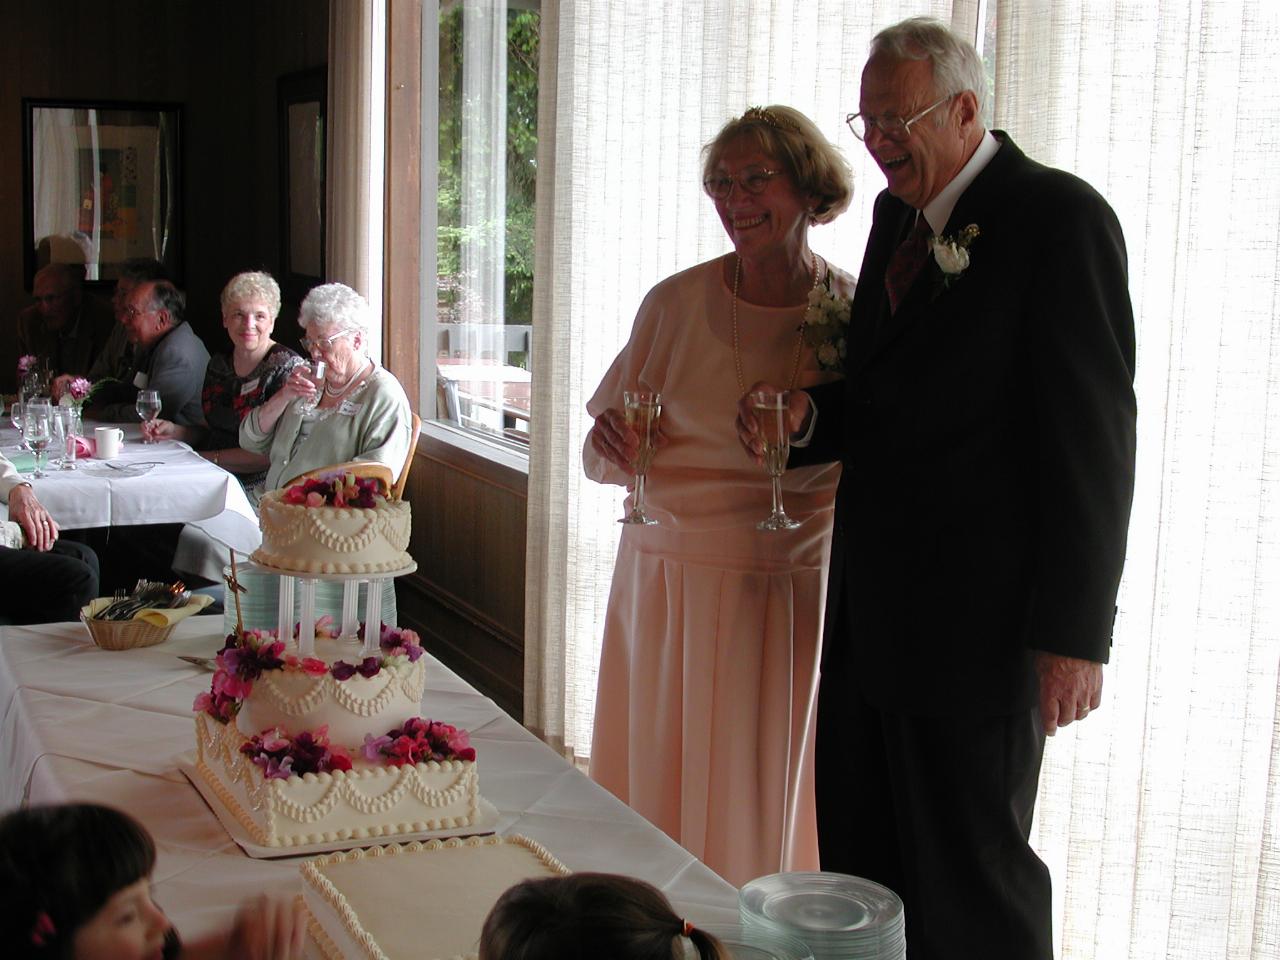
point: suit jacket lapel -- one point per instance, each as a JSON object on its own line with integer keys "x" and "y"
{"x": 871, "y": 300}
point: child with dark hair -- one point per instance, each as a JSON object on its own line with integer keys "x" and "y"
{"x": 75, "y": 885}
{"x": 587, "y": 916}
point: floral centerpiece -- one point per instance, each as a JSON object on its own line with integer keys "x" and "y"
{"x": 337, "y": 490}
{"x": 26, "y": 363}
{"x": 825, "y": 326}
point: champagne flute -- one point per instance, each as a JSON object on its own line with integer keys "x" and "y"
{"x": 38, "y": 432}
{"x": 58, "y": 439}
{"x": 643, "y": 410}
{"x": 314, "y": 372}
{"x": 148, "y": 407}
{"x": 771, "y": 413}
{"x": 65, "y": 418}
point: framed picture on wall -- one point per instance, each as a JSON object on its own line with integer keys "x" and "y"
{"x": 301, "y": 99}
{"x": 102, "y": 184}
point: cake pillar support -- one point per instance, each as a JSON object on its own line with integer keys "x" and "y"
{"x": 284, "y": 609}
{"x": 307, "y": 618}
{"x": 372, "y": 617}
{"x": 350, "y": 609}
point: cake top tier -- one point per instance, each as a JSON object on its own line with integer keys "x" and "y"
{"x": 359, "y": 484}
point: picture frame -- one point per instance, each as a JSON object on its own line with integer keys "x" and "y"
{"x": 302, "y": 118}
{"x": 102, "y": 184}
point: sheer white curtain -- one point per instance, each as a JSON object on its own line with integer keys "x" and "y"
{"x": 1159, "y": 816}
{"x": 354, "y": 171}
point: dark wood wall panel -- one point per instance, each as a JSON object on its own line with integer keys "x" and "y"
{"x": 467, "y": 597}
{"x": 221, "y": 62}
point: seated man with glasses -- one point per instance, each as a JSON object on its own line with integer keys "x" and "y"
{"x": 63, "y": 326}
{"x": 167, "y": 357}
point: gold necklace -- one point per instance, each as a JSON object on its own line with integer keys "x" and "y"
{"x": 733, "y": 312}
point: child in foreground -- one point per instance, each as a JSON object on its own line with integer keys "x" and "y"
{"x": 75, "y": 881}
{"x": 590, "y": 915}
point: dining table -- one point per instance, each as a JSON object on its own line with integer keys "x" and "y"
{"x": 78, "y": 723}
{"x": 146, "y": 483}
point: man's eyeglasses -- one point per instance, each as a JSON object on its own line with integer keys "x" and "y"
{"x": 893, "y": 128}
{"x": 322, "y": 343}
{"x": 753, "y": 180}
{"x": 132, "y": 313}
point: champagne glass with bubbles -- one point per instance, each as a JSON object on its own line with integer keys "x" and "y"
{"x": 771, "y": 413}
{"x": 643, "y": 410}
{"x": 148, "y": 407}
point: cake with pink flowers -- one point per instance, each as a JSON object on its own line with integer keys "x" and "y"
{"x": 303, "y": 750}
{"x": 337, "y": 521}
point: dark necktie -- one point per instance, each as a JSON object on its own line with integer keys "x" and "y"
{"x": 906, "y": 262}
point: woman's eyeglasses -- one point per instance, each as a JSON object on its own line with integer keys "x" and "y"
{"x": 322, "y": 343}
{"x": 753, "y": 180}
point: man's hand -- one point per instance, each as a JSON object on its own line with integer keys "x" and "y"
{"x": 748, "y": 424}
{"x": 34, "y": 519}
{"x": 1069, "y": 689}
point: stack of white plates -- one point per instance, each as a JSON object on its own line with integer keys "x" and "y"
{"x": 751, "y": 943}
{"x": 835, "y": 915}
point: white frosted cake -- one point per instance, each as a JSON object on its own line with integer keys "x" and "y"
{"x": 302, "y": 539}
{"x": 426, "y": 900}
{"x": 312, "y": 749}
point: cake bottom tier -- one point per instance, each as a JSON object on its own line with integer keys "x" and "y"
{"x": 369, "y": 801}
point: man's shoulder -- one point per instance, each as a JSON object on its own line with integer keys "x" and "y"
{"x": 1048, "y": 190}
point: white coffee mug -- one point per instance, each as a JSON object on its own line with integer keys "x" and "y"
{"x": 108, "y": 440}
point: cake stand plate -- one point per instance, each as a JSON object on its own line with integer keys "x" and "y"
{"x": 484, "y": 825}
{"x": 411, "y": 566}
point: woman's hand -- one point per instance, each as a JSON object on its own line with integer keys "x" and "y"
{"x": 163, "y": 430}
{"x": 297, "y": 384}
{"x": 614, "y": 440}
{"x": 748, "y": 424}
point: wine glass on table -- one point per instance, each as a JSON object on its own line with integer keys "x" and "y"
{"x": 17, "y": 418}
{"x": 148, "y": 407}
{"x": 771, "y": 413}
{"x": 38, "y": 430}
{"x": 643, "y": 410}
{"x": 314, "y": 372}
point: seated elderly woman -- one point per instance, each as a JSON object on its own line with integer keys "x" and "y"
{"x": 236, "y": 382}
{"x": 361, "y": 411}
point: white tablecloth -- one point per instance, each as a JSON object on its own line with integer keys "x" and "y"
{"x": 79, "y": 723}
{"x": 181, "y": 487}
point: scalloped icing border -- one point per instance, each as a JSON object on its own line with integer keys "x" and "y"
{"x": 324, "y": 888}
{"x": 283, "y": 525}
{"x": 326, "y": 688}
{"x": 220, "y": 744}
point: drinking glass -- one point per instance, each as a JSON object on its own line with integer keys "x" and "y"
{"x": 58, "y": 438}
{"x": 148, "y": 407}
{"x": 67, "y": 420}
{"x": 643, "y": 410}
{"x": 16, "y": 417}
{"x": 314, "y": 372}
{"x": 38, "y": 430}
{"x": 771, "y": 414}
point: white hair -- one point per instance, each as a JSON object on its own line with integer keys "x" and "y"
{"x": 956, "y": 64}
{"x": 336, "y": 305}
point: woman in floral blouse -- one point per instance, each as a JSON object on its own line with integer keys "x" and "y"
{"x": 237, "y": 382}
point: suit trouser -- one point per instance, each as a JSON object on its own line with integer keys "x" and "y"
{"x": 48, "y": 587}
{"x": 938, "y": 809}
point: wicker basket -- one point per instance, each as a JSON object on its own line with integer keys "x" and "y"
{"x": 121, "y": 634}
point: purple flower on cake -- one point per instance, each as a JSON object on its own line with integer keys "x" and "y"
{"x": 217, "y": 705}
{"x": 248, "y": 661}
{"x": 279, "y": 756}
{"x": 400, "y": 643}
{"x": 369, "y": 667}
{"x": 341, "y": 670}
{"x": 338, "y": 490}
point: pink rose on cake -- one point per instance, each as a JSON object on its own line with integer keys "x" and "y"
{"x": 419, "y": 741}
{"x": 336, "y": 490}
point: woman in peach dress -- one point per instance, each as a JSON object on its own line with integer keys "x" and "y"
{"x": 708, "y": 676}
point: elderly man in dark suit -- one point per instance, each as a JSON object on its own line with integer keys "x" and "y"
{"x": 167, "y": 356}
{"x": 987, "y": 433}
{"x": 63, "y": 326}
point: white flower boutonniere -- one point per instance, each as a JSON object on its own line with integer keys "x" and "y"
{"x": 952, "y": 253}
{"x": 826, "y": 325}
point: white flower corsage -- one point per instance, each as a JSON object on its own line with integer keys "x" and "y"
{"x": 952, "y": 253}
{"x": 826, "y": 325}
